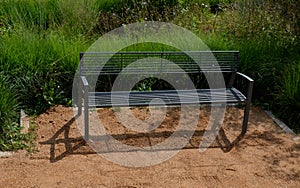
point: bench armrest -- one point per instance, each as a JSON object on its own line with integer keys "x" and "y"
{"x": 245, "y": 76}
{"x": 84, "y": 81}
{"x": 84, "y": 86}
{"x": 250, "y": 85}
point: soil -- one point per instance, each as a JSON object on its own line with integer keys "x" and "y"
{"x": 265, "y": 157}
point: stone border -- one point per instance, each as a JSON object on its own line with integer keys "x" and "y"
{"x": 5, "y": 154}
{"x": 282, "y": 125}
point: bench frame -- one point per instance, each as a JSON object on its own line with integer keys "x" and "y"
{"x": 85, "y": 96}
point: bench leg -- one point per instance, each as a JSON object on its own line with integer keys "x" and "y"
{"x": 86, "y": 123}
{"x": 86, "y": 116}
{"x": 246, "y": 118}
{"x": 247, "y": 108}
{"x": 79, "y": 102}
{"x": 79, "y": 108}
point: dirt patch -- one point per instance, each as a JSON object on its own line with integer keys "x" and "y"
{"x": 265, "y": 156}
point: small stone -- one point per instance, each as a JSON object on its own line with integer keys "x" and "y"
{"x": 296, "y": 139}
{"x": 5, "y": 154}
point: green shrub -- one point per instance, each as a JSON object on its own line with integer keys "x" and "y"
{"x": 113, "y": 14}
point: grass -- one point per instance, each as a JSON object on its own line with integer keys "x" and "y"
{"x": 9, "y": 105}
{"x": 41, "y": 67}
{"x": 10, "y": 136}
{"x": 33, "y": 15}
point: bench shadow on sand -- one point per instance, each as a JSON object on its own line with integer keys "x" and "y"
{"x": 62, "y": 141}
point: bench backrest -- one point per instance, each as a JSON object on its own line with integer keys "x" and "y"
{"x": 91, "y": 63}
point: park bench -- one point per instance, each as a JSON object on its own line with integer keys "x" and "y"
{"x": 237, "y": 90}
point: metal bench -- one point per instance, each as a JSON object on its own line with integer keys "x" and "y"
{"x": 227, "y": 63}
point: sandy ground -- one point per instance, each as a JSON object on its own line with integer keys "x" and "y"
{"x": 264, "y": 157}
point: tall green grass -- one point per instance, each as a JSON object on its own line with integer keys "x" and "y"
{"x": 10, "y": 135}
{"x": 288, "y": 95}
{"x": 73, "y": 18}
{"x": 34, "y": 15}
{"x": 41, "y": 67}
{"x": 9, "y": 105}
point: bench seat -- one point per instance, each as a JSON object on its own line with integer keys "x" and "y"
{"x": 170, "y": 97}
